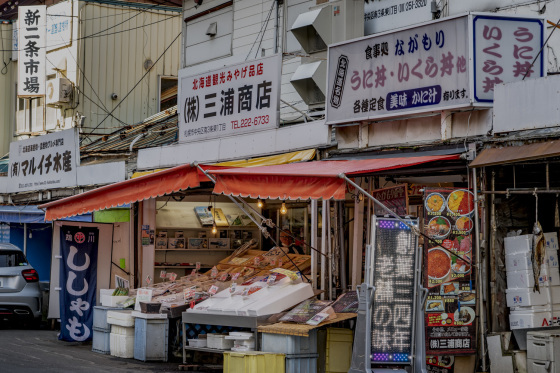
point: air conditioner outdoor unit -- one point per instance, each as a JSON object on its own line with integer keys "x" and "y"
{"x": 59, "y": 91}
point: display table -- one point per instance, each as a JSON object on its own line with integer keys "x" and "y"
{"x": 249, "y": 322}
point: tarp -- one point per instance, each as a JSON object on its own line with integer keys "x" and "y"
{"x": 511, "y": 154}
{"x": 149, "y": 186}
{"x": 310, "y": 180}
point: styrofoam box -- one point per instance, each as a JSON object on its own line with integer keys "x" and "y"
{"x": 120, "y": 318}
{"x": 532, "y": 319}
{"x": 551, "y": 241}
{"x": 525, "y": 297}
{"x": 540, "y": 366}
{"x": 122, "y": 346}
{"x": 524, "y": 261}
{"x": 100, "y": 343}
{"x": 543, "y": 345}
{"x": 525, "y": 279}
{"x": 518, "y": 244}
{"x": 108, "y": 300}
{"x": 122, "y": 330}
{"x": 219, "y": 341}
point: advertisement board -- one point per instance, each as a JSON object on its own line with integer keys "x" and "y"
{"x": 32, "y": 54}
{"x": 44, "y": 162}
{"x": 233, "y": 100}
{"x": 386, "y": 15}
{"x": 431, "y": 67}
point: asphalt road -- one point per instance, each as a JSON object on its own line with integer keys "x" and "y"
{"x": 25, "y": 350}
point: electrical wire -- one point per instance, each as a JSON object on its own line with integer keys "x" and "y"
{"x": 136, "y": 85}
{"x": 261, "y": 30}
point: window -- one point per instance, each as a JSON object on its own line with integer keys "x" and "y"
{"x": 167, "y": 92}
{"x": 12, "y": 259}
{"x": 30, "y": 115}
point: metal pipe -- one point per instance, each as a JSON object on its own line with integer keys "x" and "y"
{"x": 276, "y": 27}
{"x": 329, "y": 250}
{"x": 493, "y": 279}
{"x": 342, "y": 246}
{"x": 532, "y": 191}
{"x": 324, "y": 248}
{"x": 25, "y": 238}
{"x": 314, "y": 242}
{"x": 479, "y": 271}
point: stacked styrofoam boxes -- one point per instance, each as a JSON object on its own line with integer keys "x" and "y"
{"x": 543, "y": 351}
{"x": 531, "y": 309}
{"x": 122, "y": 333}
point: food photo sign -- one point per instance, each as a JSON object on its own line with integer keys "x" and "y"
{"x": 449, "y": 276}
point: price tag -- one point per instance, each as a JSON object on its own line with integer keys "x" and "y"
{"x": 273, "y": 262}
{"x": 163, "y": 274}
{"x": 235, "y": 276}
{"x": 148, "y": 279}
{"x": 257, "y": 261}
{"x": 232, "y": 287}
{"x": 270, "y": 280}
{"x": 223, "y": 277}
{"x": 214, "y": 272}
{"x": 193, "y": 272}
{"x": 188, "y": 293}
{"x": 192, "y": 304}
{"x": 213, "y": 289}
{"x": 198, "y": 266}
{"x": 280, "y": 262}
{"x": 172, "y": 276}
{"x": 245, "y": 292}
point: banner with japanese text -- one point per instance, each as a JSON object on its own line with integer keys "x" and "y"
{"x": 440, "y": 65}
{"x": 44, "y": 162}
{"x": 233, "y": 100}
{"x": 32, "y": 54}
{"x": 449, "y": 274}
{"x": 78, "y": 279}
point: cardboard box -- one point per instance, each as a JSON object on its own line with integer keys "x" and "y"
{"x": 161, "y": 243}
{"x": 176, "y": 243}
{"x": 518, "y": 244}
{"x": 526, "y": 297}
{"x": 198, "y": 243}
{"x": 525, "y": 279}
{"x": 218, "y": 243}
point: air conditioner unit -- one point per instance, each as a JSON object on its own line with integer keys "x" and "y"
{"x": 59, "y": 91}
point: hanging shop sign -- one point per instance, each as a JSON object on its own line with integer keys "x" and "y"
{"x": 44, "y": 162}
{"x": 59, "y": 25}
{"x": 386, "y": 15}
{"x": 393, "y": 310}
{"x": 233, "y": 100}
{"x": 431, "y": 67}
{"x": 395, "y": 198}
{"x": 449, "y": 276}
{"x": 78, "y": 277}
{"x": 32, "y": 57}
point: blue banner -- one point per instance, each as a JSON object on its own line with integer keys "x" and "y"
{"x": 78, "y": 280}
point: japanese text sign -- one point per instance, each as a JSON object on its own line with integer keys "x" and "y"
{"x": 395, "y": 198}
{"x": 504, "y": 50}
{"x": 233, "y": 100}
{"x": 32, "y": 53}
{"x": 59, "y": 25}
{"x": 386, "y": 15}
{"x": 429, "y": 68}
{"x": 394, "y": 263}
{"x": 78, "y": 275}
{"x": 44, "y": 162}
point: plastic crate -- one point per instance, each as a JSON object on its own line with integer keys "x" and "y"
{"x": 254, "y": 362}
{"x": 100, "y": 343}
{"x": 301, "y": 363}
{"x": 339, "y": 350}
{"x": 290, "y": 344}
{"x": 100, "y": 318}
{"x": 150, "y": 339}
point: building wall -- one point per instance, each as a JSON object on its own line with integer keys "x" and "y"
{"x": 8, "y": 72}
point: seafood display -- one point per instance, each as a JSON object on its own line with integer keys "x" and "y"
{"x": 439, "y": 263}
{"x": 461, "y": 202}
{"x": 438, "y": 227}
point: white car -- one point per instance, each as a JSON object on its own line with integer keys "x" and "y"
{"x": 20, "y": 294}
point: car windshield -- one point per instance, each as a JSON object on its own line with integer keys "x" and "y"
{"x": 12, "y": 259}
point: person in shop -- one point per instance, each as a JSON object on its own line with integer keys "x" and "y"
{"x": 288, "y": 241}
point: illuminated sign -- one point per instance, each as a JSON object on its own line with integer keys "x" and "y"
{"x": 394, "y": 263}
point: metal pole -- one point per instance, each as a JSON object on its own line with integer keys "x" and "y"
{"x": 330, "y": 261}
{"x": 314, "y": 242}
{"x": 324, "y": 247}
{"x": 479, "y": 272}
{"x": 25, "y": 238}
{"x": 276, "y": 27}
{"x": 342, "y": 246}
{"x": 493, "y": 278}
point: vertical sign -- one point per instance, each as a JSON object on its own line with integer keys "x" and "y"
{"x": 44, "y": 162}
{"x": 504, "y": 51}
{"x": 15, "y": 40}
{"x": 392, "y": 324}
{"x": 78, "y": 277}
{"x": 32, "y": 50}
{"x": 449, "y": 276}
{"x": 4, "y": 232}
{"x": 237, "y": 99}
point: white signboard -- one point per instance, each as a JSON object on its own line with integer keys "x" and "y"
{"x": 59, "y": 25}
{"x": 419, "y": 69}
{"x": 233, "y": 100}
{"x": 32, "y": 52}
{"x": 504, "y": 51}
{"x": 386, "y": 15}
{"x": 430, "y": 67}
{"x": 44, "y": 162}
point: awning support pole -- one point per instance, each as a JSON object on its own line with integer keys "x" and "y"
{"x": 252, "y": 219}
{"x": 314, "y": 215}
{"x": 324, "y": 236}
{"x": 479, "y": 272}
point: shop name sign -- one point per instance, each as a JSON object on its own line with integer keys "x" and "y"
{"x": 386, "y": 15}
{"x": 237, "y": 99}
{"x": 44, "y": 162}
{"x": 32, "y": 53}
{"x": 430, "y": 67}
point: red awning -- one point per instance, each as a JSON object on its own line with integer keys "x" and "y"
{"x": 315, "y": 180}
{"x": 133, "y": 190}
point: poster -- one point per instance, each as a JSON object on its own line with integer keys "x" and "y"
{"x": 78, "y": 277}
{"x": 448, "y": 274}
{"x": 395, "y": 198}
{"x": 440, "y": 364}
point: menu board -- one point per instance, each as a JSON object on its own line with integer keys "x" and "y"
{"x": 394, "y": 267}
{"x": 448, "y": 273}
{"x": 440, "y": 364}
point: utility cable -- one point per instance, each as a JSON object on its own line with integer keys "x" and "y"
{"x": 261, "y": 30}
{"x": 542, "y": 47}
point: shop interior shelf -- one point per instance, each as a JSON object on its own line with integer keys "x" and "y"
{"x": 181, "y": 267}
{"x": 230, "y": 228}
{"x": 205, "y": 349}
{"x": 195, "y": 250}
